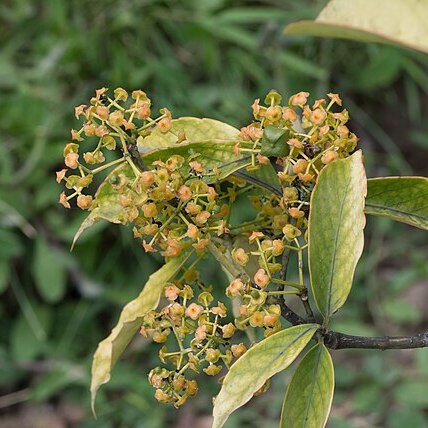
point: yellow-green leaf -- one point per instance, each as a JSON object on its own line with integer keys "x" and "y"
{"x": 309, "y": 396}
{"x": 336, "y": 223}
{"x": 211, "y": 142}
{"x": 386, "y": 21}
{"x": 219, "y": 162}
{"x": 400, "y": 198}
{"x": 111, "y": 348}
{"x": 211, "y": 153}
{"x": 195, "y": 129}
{"x": 257, "y": 365}
{"x": 107, "y": 203}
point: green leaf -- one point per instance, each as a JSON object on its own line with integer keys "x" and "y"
{"x": 4, "y": 274}
{"x": 195, "y": 129}
{"x": 385, "y": 21}
{"x": 336, "y": 223}
{"x": 257, "y": 365}
{"x": 49, "y": 270}
{"x": 209, "y": 141}
{"x": 213, "y": 154}
{"x": 309, "y": 396}
{"x": 27, "y": 340}
{"x": 274, "y": 142}
{"x": 111, "y": 348}
{"x": 107, "y": 203}
{"x": 400, "y": 198}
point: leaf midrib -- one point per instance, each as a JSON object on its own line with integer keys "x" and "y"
{"x": 333, "y": 264}
{"x": 314, "y": 370}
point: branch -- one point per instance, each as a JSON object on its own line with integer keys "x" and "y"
{"x": 336, "y": 340}
{"x": 288, "y": 313}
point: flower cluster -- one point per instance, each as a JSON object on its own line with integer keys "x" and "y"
{"x": 201, "y": 339}
{"x": 170, "y": 207}
{"x": 111, "y": 123}
{"x": 302, "y": 138}
{"x": 175, "y": 208}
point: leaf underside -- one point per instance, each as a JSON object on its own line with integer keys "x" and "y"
{"x": 257, "y": 365}
{"x": 397, "y": 22}
{"x": 336, "y": 223}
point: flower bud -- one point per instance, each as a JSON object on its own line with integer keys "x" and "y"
{"x": 300, "y": 166}
{"x": 201, "y": 333}
{"x": 291, "y": 232}
{"x": 116, "y": 118}
{"x": 238, "y": 350}
{"x": 329, "y": 156}
{"x": 160, "y": 336}
{"x": 149, "y": 210}
{"x": 228, "y": 330}
{"x": 84, "y": 201}
{"x": 212, "y": 355}
{"x": 212, "y": 370}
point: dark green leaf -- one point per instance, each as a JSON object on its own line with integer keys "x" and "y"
{"x": 400, "y": 198}
{"x": 274, "y": 142}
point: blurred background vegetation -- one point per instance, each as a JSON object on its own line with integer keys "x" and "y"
{"x": 206, "y": 58}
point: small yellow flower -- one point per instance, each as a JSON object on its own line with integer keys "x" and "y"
{"x": 295, "y": 213}
{"x": 60, "y": 175}
{"x": 289, "y": 114}
{"x": 240, "y": 256}
{"x": 335, "y": 98}
{"x": 329, "y": 157}
{"x": 238, "y": 350}
{"x": 261, "y": 278}
{"x": 194, "y": 311}
{"x": 71, "y": 160}
{"x": 300, "y": 166}
{"x": 235, "y": 288}
{"x": 63, "y": 200}
{"x": 299, "y": 99}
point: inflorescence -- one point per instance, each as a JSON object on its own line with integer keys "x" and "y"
{"x": 174, "y": 209}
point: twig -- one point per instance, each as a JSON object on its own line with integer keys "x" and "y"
{"x": 336, "y": 340}
{"x": 305, "y": 301}
{"x": 288, "y": 313}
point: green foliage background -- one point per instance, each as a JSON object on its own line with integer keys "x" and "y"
{"x": 206, "y": 58}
